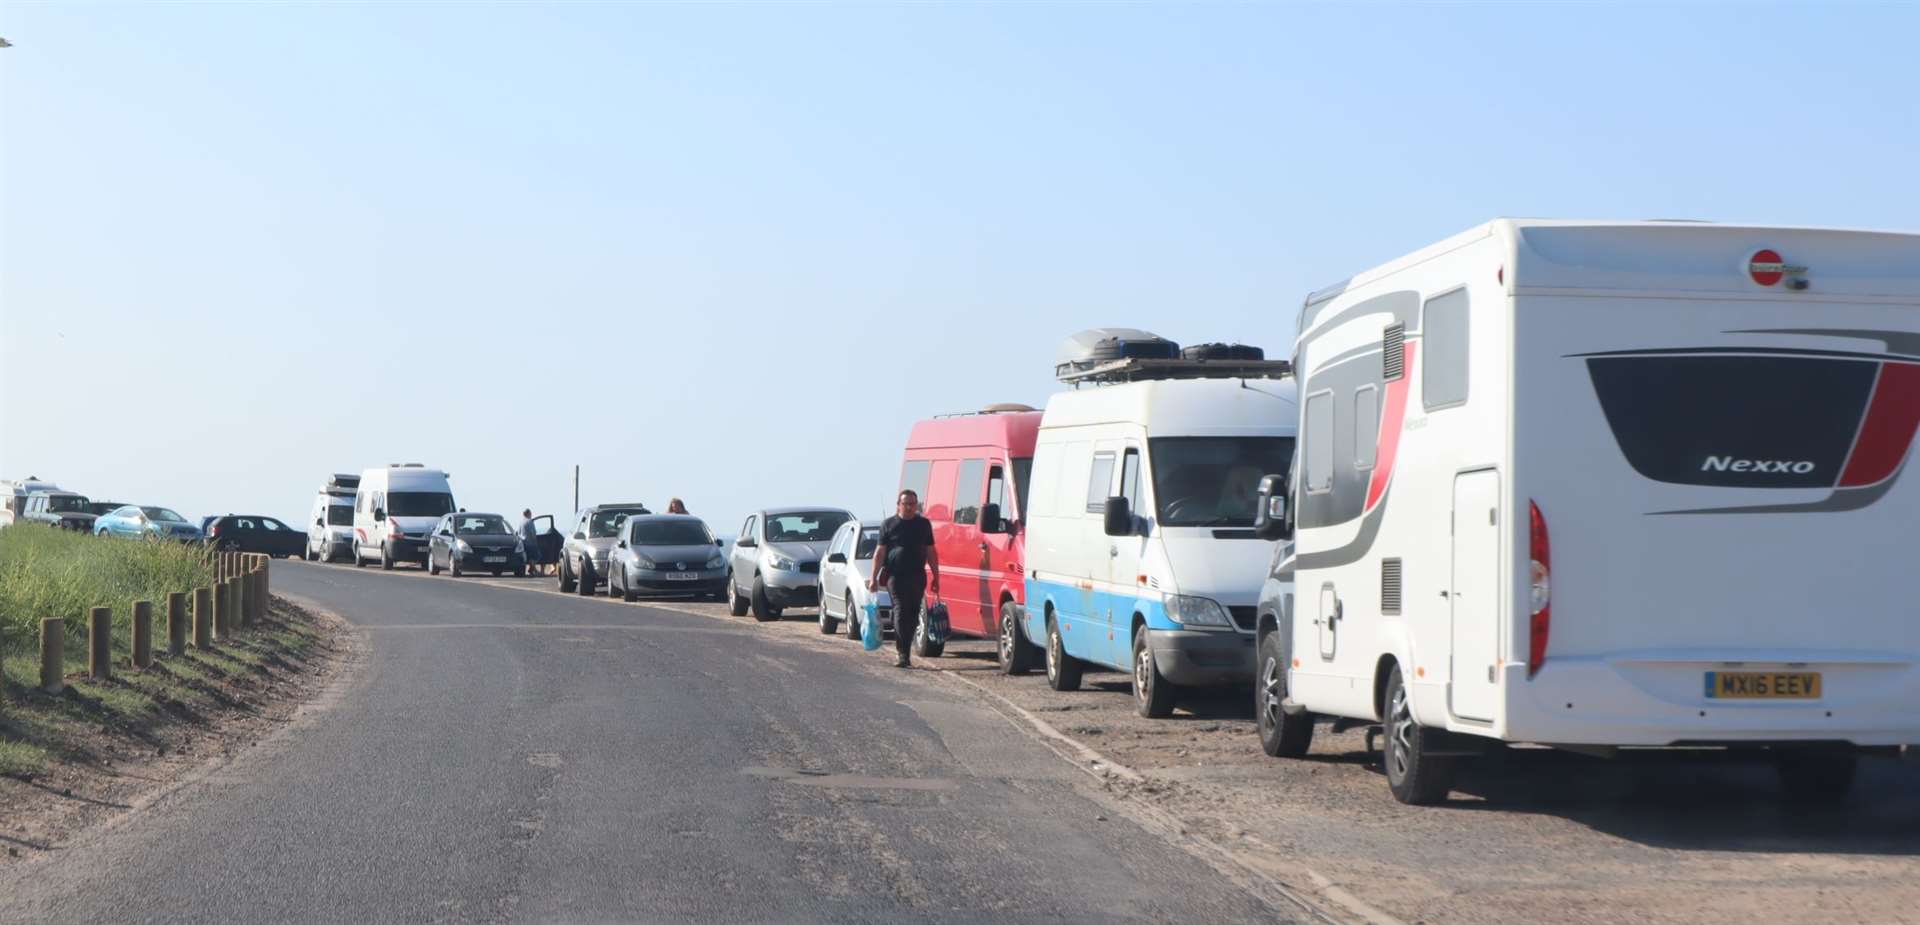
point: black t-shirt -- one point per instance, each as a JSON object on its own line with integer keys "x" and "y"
{"x": 906, "y": 542}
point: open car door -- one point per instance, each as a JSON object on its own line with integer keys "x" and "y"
{"x": 548, "y": 541}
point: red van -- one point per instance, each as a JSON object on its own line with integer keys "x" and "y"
{"x": 971, "y": 472}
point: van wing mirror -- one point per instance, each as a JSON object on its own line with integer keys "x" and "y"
{"x": 837, "y": 558}
{"x": 1119, "y": 517}
{"x": 1271, "y": 520}
{"x": 319, "y": 521}
{"x": 379, "y": 513}
{"x": 990, "y": 519}
{"x": 623, "y": 544}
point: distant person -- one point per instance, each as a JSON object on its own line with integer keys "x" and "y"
{"x": 902, "y": 560}
{"x": 530, "y": 541}
{"x": 676, "y": 506}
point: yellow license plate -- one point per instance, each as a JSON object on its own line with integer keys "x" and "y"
{"x": 1763, "y": 685}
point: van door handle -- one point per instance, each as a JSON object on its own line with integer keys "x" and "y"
{"x": 983, "y": 546}
{"x": 1443, "y": 593}
{"x": 1113, "y": 551}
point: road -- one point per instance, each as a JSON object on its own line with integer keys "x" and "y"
{"x": 504, "y": 755}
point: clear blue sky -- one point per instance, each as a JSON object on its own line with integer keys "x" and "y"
{"x": 732, "y": 252}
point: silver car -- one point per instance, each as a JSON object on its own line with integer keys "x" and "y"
{"x": 843, "y": 580}
{"x": 583, "y": 560}
{"x": 671, "y": 554}
{"x": 776, "y": 559}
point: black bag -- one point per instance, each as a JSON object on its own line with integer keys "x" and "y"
{"x": 937, "y": 626}
{"x": 1240, "y": 352}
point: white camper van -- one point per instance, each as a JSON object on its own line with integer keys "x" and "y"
{"x": 1604, "y": 485}
{"x": 1140, "y": 550}
{"x": 393, "y": 511}
{"x": 330, "y": 520}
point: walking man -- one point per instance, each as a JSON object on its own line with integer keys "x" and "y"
{"x": 906, "y": 556}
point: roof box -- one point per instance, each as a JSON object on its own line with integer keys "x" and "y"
{"x": 1107, "y": 355}
{"x": 1099, "y": 346}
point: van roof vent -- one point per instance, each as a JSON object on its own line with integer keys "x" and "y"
{"x": 1108, "y": 355}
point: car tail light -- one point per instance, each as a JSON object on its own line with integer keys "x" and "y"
{"x": 213, "y": 530}
{"x": 1540, "y": 596}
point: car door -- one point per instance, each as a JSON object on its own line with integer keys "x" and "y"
{"x": 745, "y": 550}
{"x": 440, "y": 539}
{"x": 995, "y": 557}
{"x": 1123, "y": 562}
{"x": 963, "y": 550}
{"x": 833, "y": 575}
{"x": 547, "y": 540}
{"x": 280, "y": 537}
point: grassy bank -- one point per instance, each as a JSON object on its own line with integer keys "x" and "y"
{"x": 60, "y": 573}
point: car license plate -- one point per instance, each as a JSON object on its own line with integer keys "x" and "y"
{"x": 1763, "y": 685}
{"x": 494, "y": 559}
{"x": 681, "y": 576}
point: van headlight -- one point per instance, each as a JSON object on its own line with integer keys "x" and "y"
{"x": 1189, "y": 610}
{"x": 779, "y": 563}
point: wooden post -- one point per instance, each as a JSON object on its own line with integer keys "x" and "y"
{"x": 203, "y": 618}
{"x": 142, "y": 634}
{"x": 100, "y": 643}
{"x": 259, "y": 594}
{"x": 176, "y": 623}
{"x": 222, "y": 609}
{"x": 240, "y": 603}
{"x": 53, "y": 655}
{"x": 266, "y": 590}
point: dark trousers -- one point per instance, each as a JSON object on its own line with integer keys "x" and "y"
{"x": 908, "y": 596}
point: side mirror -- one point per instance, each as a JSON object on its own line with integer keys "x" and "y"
{"x": 1119, "y": 517}
{"x": 319, "y": 521}
{"x": 720, "y": 543}
{"x": 623, "y": 544}
{"x": 579, "y": 536}
{"x": 837, "y": 558}
{"x": 747, "y": 542}
{"x": 991, "y": 521}
{"x": 379, "y": 513}
{"x": 1270, "y": 520}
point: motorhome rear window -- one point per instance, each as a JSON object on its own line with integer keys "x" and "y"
{"x": 1732, "y": 420}
{"x": 340, "y": 515}
{"x": 419, "y": 503}
{"x": 1444, "y": 328}
{"x": 1212, "y": 481}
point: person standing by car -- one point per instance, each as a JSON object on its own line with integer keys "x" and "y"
{"x": 676, "y": 506}
{"x": 905, "y": 557}
{"x": 530, "y": 542}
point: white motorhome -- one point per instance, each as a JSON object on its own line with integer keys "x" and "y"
{"x": 1604, "y": 485}
{"x": 13, "y": 495}
{"x": 330, "y": 519}
{"x": 394, "y": 508}
{"x": 1140, "y": 552}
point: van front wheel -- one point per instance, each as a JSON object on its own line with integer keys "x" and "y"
{"x": 1152, "y": 694}
{"x": 386, "y": 557}
{"x": 1063, "y": 670}
{"x": 1415, "y": 777}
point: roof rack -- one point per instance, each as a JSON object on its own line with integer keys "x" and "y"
{"x": 1135, "y": 369}
{"x": 1004, "y": 407}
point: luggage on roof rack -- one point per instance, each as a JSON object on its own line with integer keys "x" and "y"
{"x": 1127, "y": 355}
{"x": 1223, "y": 352}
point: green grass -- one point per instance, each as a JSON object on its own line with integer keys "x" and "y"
{"x": 63, "y": 574}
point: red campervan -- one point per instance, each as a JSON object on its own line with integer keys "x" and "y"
{"x": 971, "y": 472}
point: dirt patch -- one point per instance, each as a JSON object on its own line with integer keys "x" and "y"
{"x": 102, "y": 749}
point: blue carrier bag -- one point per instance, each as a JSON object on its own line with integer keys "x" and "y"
{"x": 870, "y": 627}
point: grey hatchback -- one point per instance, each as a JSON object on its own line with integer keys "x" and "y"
{"x": 671, "y": 554}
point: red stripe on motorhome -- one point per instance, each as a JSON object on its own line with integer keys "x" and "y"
{"x": 1392, "y": 418}
{"x": 1893, "y": 414}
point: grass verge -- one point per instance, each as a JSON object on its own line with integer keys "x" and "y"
{"x": 63, "y": 574}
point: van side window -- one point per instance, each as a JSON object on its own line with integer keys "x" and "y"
{"x": 997, "y": 490}
{"x": 914, "y": 476}
{"x": 1130, "y": 479}
{"x": 1100, "y": 482}
{"x": 966, "y": 491}
{"x": 937, "y": 503}
{"x": 1366, "y": 427}
{"x": 1319, "y": 440}
{"x": 1443, "y": 326}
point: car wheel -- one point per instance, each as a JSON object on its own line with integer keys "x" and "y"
{"x": 763, "y": 609}
{"x": 1016, "y": 653}
{"x": 1415, "y": 776}
{"x": 626, "y": 593}
{"x": 386, "y": 557}
{"x": 1063, "y": 670}
{"x": 853, "y": 619}
{"x": 1282, "y": 734}
{"x": 738, "y": 603}
{"x": 828, "y": 624}
{"x": 1152, "y": 693}
{"x": 453, "y": 565}
{"x": 1816, "y": 776}
{"x": 566, "y": 576}
{"x": 433, "y": 565}
{"x": 586, "y": 578}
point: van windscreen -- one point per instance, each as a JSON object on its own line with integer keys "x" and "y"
{"x": 1212, "y": 481}
{"x": 419, "y": 503}
{"x": 340, "y": 515}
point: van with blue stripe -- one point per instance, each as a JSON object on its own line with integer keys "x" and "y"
{"x": 1141, "y": 555}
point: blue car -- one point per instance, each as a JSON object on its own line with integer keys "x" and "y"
{"x": 136, "y": 520}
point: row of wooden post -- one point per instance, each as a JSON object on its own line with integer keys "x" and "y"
{"x": 236, "y": 599}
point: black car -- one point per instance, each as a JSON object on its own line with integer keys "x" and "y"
{"x": 255, "y": 533}
{"x": 466, "y": 542}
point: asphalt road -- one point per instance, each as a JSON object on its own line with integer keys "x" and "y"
{"x": 501, "y": 755}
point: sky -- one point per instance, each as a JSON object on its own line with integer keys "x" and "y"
{"x": 731, "y": 252}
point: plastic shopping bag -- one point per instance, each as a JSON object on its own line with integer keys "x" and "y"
{"x": 870, "y": 627}
{"x": 938, "y": 626}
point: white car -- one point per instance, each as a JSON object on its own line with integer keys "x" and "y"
{"x": 844, "y": 576}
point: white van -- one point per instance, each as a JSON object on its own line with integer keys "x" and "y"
{"x": 1604, "y": 485}
{"x": 1140, "y": 550}
{"x": 330, "y": 521}
{"x": 393, "y": 511}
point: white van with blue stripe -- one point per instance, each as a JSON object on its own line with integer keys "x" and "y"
{"x": 1141, "y": 555}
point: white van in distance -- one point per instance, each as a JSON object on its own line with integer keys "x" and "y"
{"x": 330, "y": 521}
{"x": 1140, "y": 550}
{"x": 1605, "y": 485}
{"x": 394, "y": 508}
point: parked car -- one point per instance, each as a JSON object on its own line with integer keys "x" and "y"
{"x": 330, "y": 519}
{"x": 62, "y": 509}
{"x": 394, "y": 508}
{"x": 255, "y": 533}
{"x": 467, "y": 542}
{"x": 145, "y": 521}
{"x": 14, "y": 492}
{"x": 843, "y": 580}
{"x": 778, "y": 557}
{"x": 971, "y": 473}
{"x": 1141, "y": 553}
{"x": 671, "y": 554}
{"x": 583, "y": 558}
